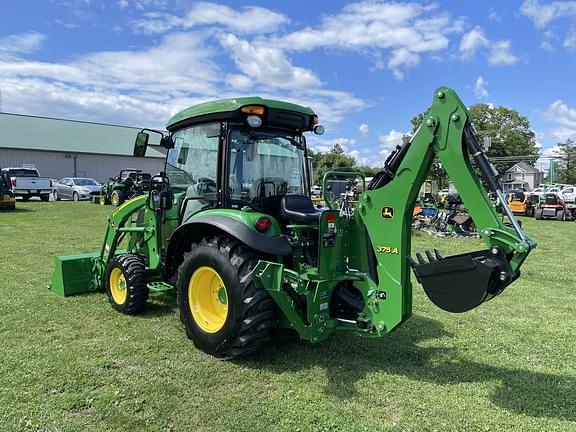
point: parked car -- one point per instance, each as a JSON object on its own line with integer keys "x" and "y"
{"x": 26, "y": 182}
{"x": 75, "y": 188}
{"x": 568, "y": 194}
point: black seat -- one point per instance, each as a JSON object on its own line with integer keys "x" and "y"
{"x": 299, "y": 209}
{"x": 551, "y": 199}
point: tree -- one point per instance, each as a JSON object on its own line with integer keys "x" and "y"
{"x": 333, "y": 159}
{"x": 508, "y": 130}
{"x": 567, "y": 156}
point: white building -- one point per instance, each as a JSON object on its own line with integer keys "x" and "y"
{"x": 522, "y": 175}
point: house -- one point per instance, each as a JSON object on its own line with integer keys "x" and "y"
{"x": 521, "y": 175}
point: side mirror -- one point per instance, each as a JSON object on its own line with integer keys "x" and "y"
{"x": 167, "y": 142}
{"x": 141, "y": 144}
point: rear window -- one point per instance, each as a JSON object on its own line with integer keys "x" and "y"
{"x": 23, "y": 172}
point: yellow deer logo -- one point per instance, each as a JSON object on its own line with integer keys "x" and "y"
{"x": 387, "y": 212}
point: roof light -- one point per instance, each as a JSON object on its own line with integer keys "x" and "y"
{"x": 253, "y": 109}
{"x": 254, "y": 121}
{"x": 319, "y": 130}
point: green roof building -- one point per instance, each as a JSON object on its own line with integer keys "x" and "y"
{"x": 68, "y": 148}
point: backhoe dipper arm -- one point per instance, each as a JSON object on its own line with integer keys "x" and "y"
{"x": 457, "y": 283}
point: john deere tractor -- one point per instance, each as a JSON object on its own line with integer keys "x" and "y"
{"x": 230, "y": 227}
{"x": 129, "y": 183}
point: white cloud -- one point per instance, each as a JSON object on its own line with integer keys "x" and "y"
{"x": 389, "y": 141}
{"x": 563, "y": 120}
{"x": 544, "y": 14}
{"x": 364, "y": 130}
{"x": 402, "y": 58}
{"x": 402, "y": 30}
{"x": 480, "y": 90}
{"x": 494, "y": 16}
{"x": 500, "y": 53}
{"x": 323, "y": 145}
{"x": 472, "y": 41}
{"x": 570, "y": 40}
{"x": 250, "y": 20}
{"x": 268, "y": 64}
{"x": 21, "y": 43}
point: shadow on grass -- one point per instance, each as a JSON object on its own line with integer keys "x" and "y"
{"x": 18, "y": 210}
{"x": 348, "y": 359}
{"x": 160, "y": 305}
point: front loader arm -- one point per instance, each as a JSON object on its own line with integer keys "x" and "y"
{"x": 456, "y": 283}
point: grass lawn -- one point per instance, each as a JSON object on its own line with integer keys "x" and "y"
{"x": 77, "y": 365}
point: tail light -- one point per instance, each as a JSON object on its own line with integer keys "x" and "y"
{"x": 263, "y": 224}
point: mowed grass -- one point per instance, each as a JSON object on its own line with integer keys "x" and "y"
{"x": 75, "y": 364}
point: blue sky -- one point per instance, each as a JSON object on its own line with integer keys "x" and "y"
{"x": 365, "y": 67}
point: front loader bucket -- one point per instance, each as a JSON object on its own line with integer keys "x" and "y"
{"x": 73, "y": 274}
{"x": 460, "y": 283}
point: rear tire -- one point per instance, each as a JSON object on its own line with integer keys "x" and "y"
{"x": 126, "y": 284}
{"x": 44, "y": 198}
{"x": 560, "y": 215}
{"x": 246, "y": 321}
{"x": 26, "y": 198}
{"x": 538, "y": 214}
{"x": 117, "y": 198}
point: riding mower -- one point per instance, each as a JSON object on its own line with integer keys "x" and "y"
{"x": 521, "y": 203}
{"x": 551, "y": 206}
{"x": 7, "y": 200}
{"x": 231, "y": 228}
{"x": 126, "y": 185}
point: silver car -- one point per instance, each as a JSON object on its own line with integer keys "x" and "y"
{"x": 75, "y": 188}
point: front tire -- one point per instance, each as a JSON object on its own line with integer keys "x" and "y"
{"x": 55, "y": 196}
{"x": 75, "y": 196}
{"x": 223, "y": 312}
{"x": 126, "y": 284}
{"x": 117, "y": 198}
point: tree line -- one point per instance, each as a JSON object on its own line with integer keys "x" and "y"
{"x": 508, "y": 131}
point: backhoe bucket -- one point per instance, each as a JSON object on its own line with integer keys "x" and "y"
{"x": 73, "y": 274}
{"x": 460, "y": 283}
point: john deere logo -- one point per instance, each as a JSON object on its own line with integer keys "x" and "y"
{"x": 387, "y": 212}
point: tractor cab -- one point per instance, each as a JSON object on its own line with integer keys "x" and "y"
{"x": 246, "y": 154}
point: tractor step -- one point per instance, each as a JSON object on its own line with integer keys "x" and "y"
{"x": 159, "y": 286}
{"x": 460, "y": 283}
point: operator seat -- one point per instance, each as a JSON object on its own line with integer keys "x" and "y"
{"x": 299, "y": 209}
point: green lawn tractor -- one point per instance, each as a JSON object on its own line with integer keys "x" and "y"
{"x": 230, "y": 227}
{"x": 126, "y": 185}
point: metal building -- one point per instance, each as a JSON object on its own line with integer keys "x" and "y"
{"x": 68, "y": 148}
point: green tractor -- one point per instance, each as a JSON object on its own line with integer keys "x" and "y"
{"x": 230, "y": 227}
{"x": 126, "y": 185}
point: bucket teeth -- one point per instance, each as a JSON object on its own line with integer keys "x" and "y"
{"x": 432, "y": 258}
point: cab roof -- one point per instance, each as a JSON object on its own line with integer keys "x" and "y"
{"x": 231, "y": 105}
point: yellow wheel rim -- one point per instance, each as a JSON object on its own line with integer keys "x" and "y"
{"x": 208, "y": 299}
{"x": 118, "y": 286}
{"x": 114, "y": 199}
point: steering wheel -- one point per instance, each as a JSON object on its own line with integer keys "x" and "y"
{"x": 206, "y": 184}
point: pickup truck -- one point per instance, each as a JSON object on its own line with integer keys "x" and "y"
{"x": 27, "y": 183}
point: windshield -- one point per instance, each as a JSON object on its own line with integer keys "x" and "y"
{"x": 85, "y": 182}
{"x": 23, "y": 172}
{"x": 264, "y": 164}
